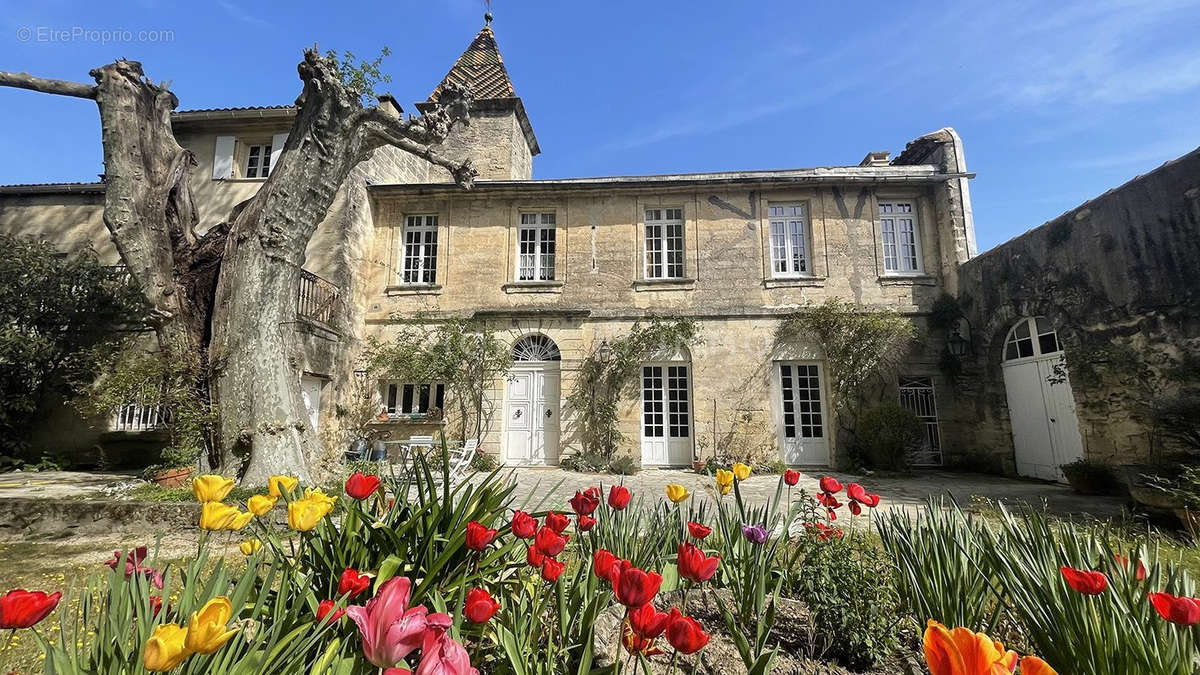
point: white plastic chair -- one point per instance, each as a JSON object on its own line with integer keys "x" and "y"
{"x": 461, "y": 458}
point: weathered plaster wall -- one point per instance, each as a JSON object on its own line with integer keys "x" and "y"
{"x": 1119, "y": 271}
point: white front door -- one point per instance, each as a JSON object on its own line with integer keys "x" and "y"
{"x": 666, "y": 415}
{"x": 531, "y": 415}
{"x": 802, "y": 414}
{"x": 1042, "y": 414}
{"x": 310, "y": 395}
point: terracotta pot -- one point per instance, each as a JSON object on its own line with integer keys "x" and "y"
{"x": 172, "y": 478}
{"x": 699, "y": 464}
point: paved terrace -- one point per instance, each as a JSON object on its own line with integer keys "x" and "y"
{"x": 555, "y": 486}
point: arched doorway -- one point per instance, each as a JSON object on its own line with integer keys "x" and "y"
{"x": 531, "y": 403}
{"x": 666, "y": 422}
{"x": 1041, "y": 407}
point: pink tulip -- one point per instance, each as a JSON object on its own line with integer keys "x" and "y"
{"x": 390, "y": 629}
{"x": 441, "y": 655}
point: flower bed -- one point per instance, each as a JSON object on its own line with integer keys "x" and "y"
{"x": 412, "y": 573}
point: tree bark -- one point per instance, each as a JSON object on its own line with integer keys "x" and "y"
{"x": 230, "y": 292}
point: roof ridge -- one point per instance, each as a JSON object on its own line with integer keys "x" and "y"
{"x": 480, "y": 69}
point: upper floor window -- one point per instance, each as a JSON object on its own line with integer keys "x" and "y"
{"x": 408, "y": 398}
{"x": 664, "y": 243}
{"x": 420, "y": 250}
{"x": 789, "y": 233}
{"x": 901, "y": 241}
{"x": 535, "y": 255}
{"x": 258, "y": 161}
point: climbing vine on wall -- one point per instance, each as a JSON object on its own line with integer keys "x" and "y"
{"x": 859, "y": 346}
{"x": 606, "y": 378}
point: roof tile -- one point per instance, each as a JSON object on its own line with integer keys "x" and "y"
{"x": 481, "y": 69}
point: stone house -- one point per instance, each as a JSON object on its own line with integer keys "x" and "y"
{"x": 560, "y": 266}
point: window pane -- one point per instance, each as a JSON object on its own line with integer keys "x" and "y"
{"x": 407, "y": 405}
{"x": 391, "y": 398}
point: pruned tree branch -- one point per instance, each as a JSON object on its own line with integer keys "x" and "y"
{"x": 47, "y": 86}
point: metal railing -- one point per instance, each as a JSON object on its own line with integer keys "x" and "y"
{"x": 135, "y": 417}
{"x": 315, "y": 297}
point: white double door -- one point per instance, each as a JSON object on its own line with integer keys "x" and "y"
{"x": 1041, "y": 409}
{"x": 802, "y": 413}
{"x": 666, "y": 414}
{"x": 531, "y": 410}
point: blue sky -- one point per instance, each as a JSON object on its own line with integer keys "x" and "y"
{"x": 1055, "y": 102}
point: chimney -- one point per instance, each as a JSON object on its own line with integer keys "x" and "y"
{"x": 877, "y": 158}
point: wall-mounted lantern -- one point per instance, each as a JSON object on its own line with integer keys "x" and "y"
{"x": 958, "y": 342}
{"x": 605, "y": 351}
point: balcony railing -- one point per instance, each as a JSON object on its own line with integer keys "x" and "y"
{"x": 134, "y": 417}
{"x": 316, "y": 297}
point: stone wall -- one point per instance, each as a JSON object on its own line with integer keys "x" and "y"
{"x": 1119, "y": 278}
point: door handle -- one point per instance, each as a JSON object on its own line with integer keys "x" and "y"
{"x": 1053, "y": 420}
{"x": 549, "y": 413}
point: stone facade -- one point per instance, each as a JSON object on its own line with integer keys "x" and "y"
{"x": 1118, "y": 278}
{"x": 726, "y": 279}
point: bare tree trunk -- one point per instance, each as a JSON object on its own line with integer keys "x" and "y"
{"x": 232, "y": 290}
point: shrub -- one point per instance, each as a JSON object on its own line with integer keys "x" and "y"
{"x": 485, "y": 462}
{"x": 888, "y": 435}
{"x": 624, "y": 465}
{"x": 1089, "y": 477}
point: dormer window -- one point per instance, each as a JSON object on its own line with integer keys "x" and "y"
{"x": 258, "y": 161}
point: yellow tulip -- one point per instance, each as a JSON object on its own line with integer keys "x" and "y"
{"x": 304, "y": 514}
{"x": 250, "y": 547}
{"x": 260, "y": 505}
{"x": 242, "y": 519}
{"x": 211, "y": 488}
{"x": 676, "y": 493}
{"x": 217, "y": 516}
{"x": 206, "y": 631}
{"x": 315, "y": 494}
{"x": 166, "y": 648}
{"x": 741, "y": 471}
{"x": 724, "y": 481}
{"x": 278, "y": 486}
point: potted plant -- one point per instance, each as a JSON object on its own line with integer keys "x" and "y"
{"x": 362, "y": 418}
{"x": 1184, "y": 491}
{"x": 1090, "y": 477}
{"x": 175, "y": 467}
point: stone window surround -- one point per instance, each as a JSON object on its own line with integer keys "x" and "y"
{"x": 818, "y": 266}
{"x": 395, "y": 269}
{"x": 921, "y": 276}
{"x": 511, "y": 273}
{"x": 687, "y": 203}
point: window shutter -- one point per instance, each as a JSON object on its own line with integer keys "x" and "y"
{"x": 223, "y": 158}
{"x": 277, "y": 143}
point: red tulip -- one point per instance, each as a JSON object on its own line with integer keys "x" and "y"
{"x": 648, "y": 622}
{"x": 830, "y": 484}
{"x": 635, "y": 587}
{"x": 361, "y": 486}
{"x": 618, "y": 497}
{"x": 534, "y": 557}
{"x": 585, "y": 523}
{"x": 353, "y": 583}
{"x": 549, "y": 542}
{"x": 480, "y": 605}
{"x": 636, "y": 644}
{"x": 397, "y": 671}
{"x": 685, "y": 634}
{"x": 791, "y": 477}
{"x": 828, "y": 500}
{"x": 823, "y": 532}
{"x": 606, "y": 565}
{"x": 1176, "y": 609}
{"x": 20, "y": 608}
{"x": 1140, "y": 574}
{"x": 552, "y": 569}
{"x": 698, "y": 531}
{"x": 856, "y": 492}
{"x": 1085, "y": 581}
{"x": 855, "y": 508}
{"x": 585, "y": 503}
{"x": 524, "y": 525}
{"x": 557, "y": 521}
{"x": 478, "y": 536}
{"x": 694, "y": 565}
{"x": 326, "y": 606}
{"x": 155, "y": 604}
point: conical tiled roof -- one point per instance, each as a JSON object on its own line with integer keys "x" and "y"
{"x": 481, "y": 69}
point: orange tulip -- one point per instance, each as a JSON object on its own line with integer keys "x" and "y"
{"x": 961, "y": 652}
